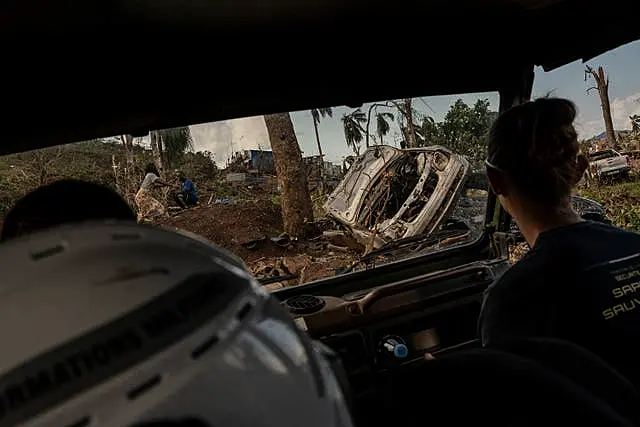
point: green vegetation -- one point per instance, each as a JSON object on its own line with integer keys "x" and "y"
{"x": 621, "y": 202}
{"x": 463, "y": 128}
{"x": 95, "y": 161}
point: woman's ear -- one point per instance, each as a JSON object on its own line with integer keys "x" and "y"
{"x": 496, "y": 181}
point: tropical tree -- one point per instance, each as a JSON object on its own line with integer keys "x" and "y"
{"x": 382, "y": 124}
{"x": 318, "y": 114}
{"x": 169, "y": 145}
{"x": 602, "y": 86}
{"x": 382, "y": 120}
{"x": 354, "y": 132}
{"x": 463, "y": 129}
{"x": 297, "y": 209}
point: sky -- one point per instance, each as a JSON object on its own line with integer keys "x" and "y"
{"x": 621, "y": 64}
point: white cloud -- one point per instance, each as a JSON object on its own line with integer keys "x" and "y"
{"x": 224, "y": 138}
{"x": 621, "y": 109}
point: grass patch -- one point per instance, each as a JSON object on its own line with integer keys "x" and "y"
{"x": 621, "y": 201}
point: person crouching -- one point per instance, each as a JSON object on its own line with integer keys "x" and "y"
{"x": 187, "y": 196}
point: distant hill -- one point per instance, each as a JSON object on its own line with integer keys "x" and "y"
{"x": 598, "y": 141}
{"x": 603, "y": 135}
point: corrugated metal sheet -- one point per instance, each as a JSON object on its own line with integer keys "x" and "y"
{"x": 262, "y": 160}
{"x": 242, "y": 178}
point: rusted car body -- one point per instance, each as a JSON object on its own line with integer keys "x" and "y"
{"x": 389, "y": 194}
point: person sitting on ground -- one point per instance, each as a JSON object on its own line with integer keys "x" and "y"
{"x": 565, "y": 286}
{"x": 64, "y": 201}
{"x": 149, "y": 207}
{"x": 188, "y": 195}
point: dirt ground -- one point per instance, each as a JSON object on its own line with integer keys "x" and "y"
{"x": 248, "y": 229}
{"x": 233, "y": 226}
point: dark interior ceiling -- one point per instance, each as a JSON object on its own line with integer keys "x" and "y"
{"x": 77, "y": 69}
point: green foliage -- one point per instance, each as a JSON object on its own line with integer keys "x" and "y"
{"x": 318, "y": 113}
{"x": 353, "y": 127}
{"x": 463, "y": 129}
{"x": 621, "y": 202}
{"x": 89, "y": 161}
{"x": 23, "y": 172}
{"x": 174, "y": 143}
{"x": 382, "y": 123}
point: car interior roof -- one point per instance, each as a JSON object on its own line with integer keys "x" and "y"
{"x": 76, "y": 70}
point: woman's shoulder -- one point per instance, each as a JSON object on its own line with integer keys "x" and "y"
{"x": 530, "y": 268}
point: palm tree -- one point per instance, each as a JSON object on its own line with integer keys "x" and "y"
{"x": 175, "y": 142}
{"x": 352, "y": 125}
{"x": 168, "y": 145}
{"x": 382, "y": 124}
{"x": 317, "y": 114}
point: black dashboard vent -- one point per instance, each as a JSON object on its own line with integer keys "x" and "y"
{"x": 304, "y": 304}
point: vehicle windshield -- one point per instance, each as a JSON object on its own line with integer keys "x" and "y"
{"x": 298, "y": 196}
{"x": 600, "y": 155}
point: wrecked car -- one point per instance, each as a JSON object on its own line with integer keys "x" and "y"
{"x": 390, "y": 194}
{"x": 608, "y": 163}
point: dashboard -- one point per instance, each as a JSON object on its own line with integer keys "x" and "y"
{"x": 392, "y": 327}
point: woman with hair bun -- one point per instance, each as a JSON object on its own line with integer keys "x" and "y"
{"x": 572, "y": 284}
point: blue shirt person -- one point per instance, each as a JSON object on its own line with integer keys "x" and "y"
{"x": 188, "y": 194}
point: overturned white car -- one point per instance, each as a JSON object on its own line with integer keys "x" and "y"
{"x": 389, "y": 194}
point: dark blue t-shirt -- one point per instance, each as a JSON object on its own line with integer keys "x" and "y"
{"x": 567, "y": 287}
{"x": 189, "y": 190}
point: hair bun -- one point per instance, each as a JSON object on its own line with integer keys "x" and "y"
{"x": 537, "y": 145}
{"x": 554, "y": 139}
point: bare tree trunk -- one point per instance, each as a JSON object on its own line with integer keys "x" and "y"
{"x": 602, "y": 85}
{"x": 411, "y": 134}
{"x": 128, "y": 187}
{"x": 127, "y": 142}
{"x": 321, "y": 166}
{"x": 296, "y": 201}
{"x": 366, "y": 135}
{"x": 114, "y": 165}
{"x": 156, "y": 149}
